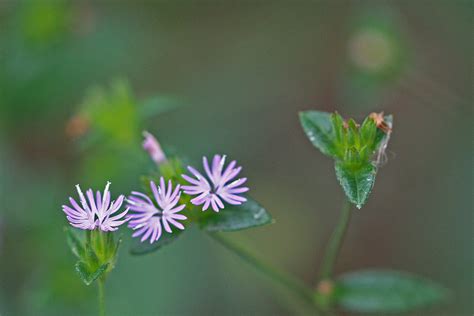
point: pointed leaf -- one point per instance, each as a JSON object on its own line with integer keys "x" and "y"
{"x": 380, "y": 291}
{"x": 88, "y": 276}
{"x": 143, "y": 248}
{"x": 237, "y": 217}
{"x": 318, "y": 126}
{"x": 357, "y": 181}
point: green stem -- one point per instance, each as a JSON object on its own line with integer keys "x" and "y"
{"x": 335, "y": 242}
{"x": 293, "y": 285}
{"x": 101, "y": 286}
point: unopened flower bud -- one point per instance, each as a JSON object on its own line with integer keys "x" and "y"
{"x": 152, "y": 146}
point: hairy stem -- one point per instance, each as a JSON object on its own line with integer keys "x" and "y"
{"x": 295, "y": 286}
{"x": 335, "y": 242}
{"x": 101, "y": 288}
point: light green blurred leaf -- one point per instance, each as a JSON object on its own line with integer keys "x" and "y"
{"x": 112, "y": 113}
{"x": 87, "y": 275}
{"x": 47, "y": 21}
{"x": 379, "y": 291}
{"x": 237, "y": 217}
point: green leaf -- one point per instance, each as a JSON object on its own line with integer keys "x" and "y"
{"x": 143, "y": 248}
{"x": 76, "y": 245}
{"x": 357, "y": 181}
{"x": 237, "y": 217}
{"x": 318, "y": 126}
{"x": 379, "y": 291}
{"x": 88, "y": 276}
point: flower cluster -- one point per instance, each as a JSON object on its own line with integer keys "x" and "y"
{"x": 148, "y": 216}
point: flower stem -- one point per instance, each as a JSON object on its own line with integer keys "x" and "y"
{"x": 101, "y": 287}
{"x": 295, "y": 286}
{"x": 335, "y": 242}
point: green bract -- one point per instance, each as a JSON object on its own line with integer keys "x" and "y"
{"x": 356, "y": 150}
{"x": 96, "y": 253}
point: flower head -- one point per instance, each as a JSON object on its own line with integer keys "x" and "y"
{"x": 152, "y": 146}
{"x": 147, "y": 217}
{"x": 95, "y": 212}
{"x": 219, "y": 185}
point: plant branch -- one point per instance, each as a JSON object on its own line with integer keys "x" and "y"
{"x": 292, "y": 284}
{"x": 101, "y": 288}
{"x": 335, "y": 242}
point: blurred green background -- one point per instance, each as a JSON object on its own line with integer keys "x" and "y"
{"x": 233, "y": 75}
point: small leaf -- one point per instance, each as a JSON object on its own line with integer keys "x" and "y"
{"x": 237, "y": 217}
{"x": 76, "y": 245}
{"x": 88, "y": 276}
{"x": 143, "y": 248}
{"x": 357, "y": 181}
{"x": 379, "y": 291}
{"x": 318, "y": 126}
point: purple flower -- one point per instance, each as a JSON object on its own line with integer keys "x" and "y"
{"x": 151, "y": 145}
{"x": 219, "y": 185}
{"x": 148, "y": 216}
{"x": 96, "y": 212}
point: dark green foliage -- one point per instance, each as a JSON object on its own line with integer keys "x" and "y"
{"x": 237, "y": 217}
{"x": 379, "y": 291}
{"x": 318, "y": 128}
